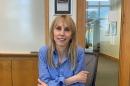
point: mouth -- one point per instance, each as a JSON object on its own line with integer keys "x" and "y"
{"x": 61, "y": 39}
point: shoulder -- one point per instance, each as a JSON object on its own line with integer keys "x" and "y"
{"x": 43, "y": 49}
{"x": 43, "y": 52}
{"x": 80, "y": 51}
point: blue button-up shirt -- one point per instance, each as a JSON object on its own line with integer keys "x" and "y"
{"x": 55, "y": 76}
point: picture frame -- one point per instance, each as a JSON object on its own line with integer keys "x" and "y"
{"x": 107, "y": 31}
{"x": 113, "y": 28}
{"x": 62, "y": 6}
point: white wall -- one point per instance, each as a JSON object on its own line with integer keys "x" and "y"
{"x": 21, "y": 25}
{"x": 110, "y": 45}
{"x": 52, "y": 10}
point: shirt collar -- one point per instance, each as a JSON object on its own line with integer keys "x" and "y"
{"x": 55, "y": 57}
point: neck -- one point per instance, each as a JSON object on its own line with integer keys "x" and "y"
{"x": 61, "y": 51}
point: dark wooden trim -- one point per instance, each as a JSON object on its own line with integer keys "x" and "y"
{"x": 46, "y": 22}
{"x": 81, "y": 17}
{"x": 109, "y": 57}
{"x": 18, "y": 55}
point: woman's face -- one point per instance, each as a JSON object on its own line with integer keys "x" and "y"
{"x": 62, "y": 34}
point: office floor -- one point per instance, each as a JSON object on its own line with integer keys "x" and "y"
{"x": 107, "y": 72}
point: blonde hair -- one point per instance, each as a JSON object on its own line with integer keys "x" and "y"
{"x": 72, "y": 46}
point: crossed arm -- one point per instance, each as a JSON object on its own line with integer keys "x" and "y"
{"x": 81, "y": 77}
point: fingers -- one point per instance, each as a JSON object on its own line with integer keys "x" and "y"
{"x": 87, "y": 75}
{"x": 41, "y": 83}
{"x": 86, "y": 72}
{"x": 83, "y": 76}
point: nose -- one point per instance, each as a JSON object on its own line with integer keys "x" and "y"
{"x": 62, "y": 32}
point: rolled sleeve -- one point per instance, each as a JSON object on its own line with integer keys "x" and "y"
{"x": 80, "y": 64}
{"x": 43, "y": 69}
{"x": 80, "y": 60}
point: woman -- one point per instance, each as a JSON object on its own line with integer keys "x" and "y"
{"x": 62, "y": 62}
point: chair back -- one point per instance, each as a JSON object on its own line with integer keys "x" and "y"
{"x": 91, "y": 64}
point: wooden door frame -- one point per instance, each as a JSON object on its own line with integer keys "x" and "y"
{"x": 124, "y": 73}
{"x": 46, "y": 17}
{"x": 80, "y": 22}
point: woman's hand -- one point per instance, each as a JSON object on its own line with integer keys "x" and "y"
{"x": 82, "y": 76}
{"x": 41, "y": 83}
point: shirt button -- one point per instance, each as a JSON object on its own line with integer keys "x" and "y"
{"x": 60, "y": 75}
{"x": 61, "y": 71}
{"x": 56, "y": 79}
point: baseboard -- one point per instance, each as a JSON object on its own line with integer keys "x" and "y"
{"x": 109, "y": 57}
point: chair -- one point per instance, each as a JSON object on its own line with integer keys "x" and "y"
{"x": 91, "y": 60}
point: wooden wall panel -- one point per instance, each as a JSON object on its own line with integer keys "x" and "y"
{"x": 18, "y": 69}
{"x": 5, "y": 72}
{"x": 24, "y": 71}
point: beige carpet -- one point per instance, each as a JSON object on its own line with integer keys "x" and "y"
{"x": 107, "y": 72}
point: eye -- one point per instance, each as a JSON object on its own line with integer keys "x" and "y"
{"x": 58, "y": 28}
{"x": 67, "y": 29}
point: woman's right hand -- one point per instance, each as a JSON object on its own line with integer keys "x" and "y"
{"x": 41, "y": 83}
{"x": 82, "y": 76}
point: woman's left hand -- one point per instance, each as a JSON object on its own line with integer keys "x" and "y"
{"x": 41, "y": 83}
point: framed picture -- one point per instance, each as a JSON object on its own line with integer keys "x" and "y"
{"x": 62, "y": 6}
{"x": 113, "y": 28}
{"x": 107, "y": 31}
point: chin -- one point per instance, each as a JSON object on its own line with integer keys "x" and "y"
{"x": 61, "y": 45}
